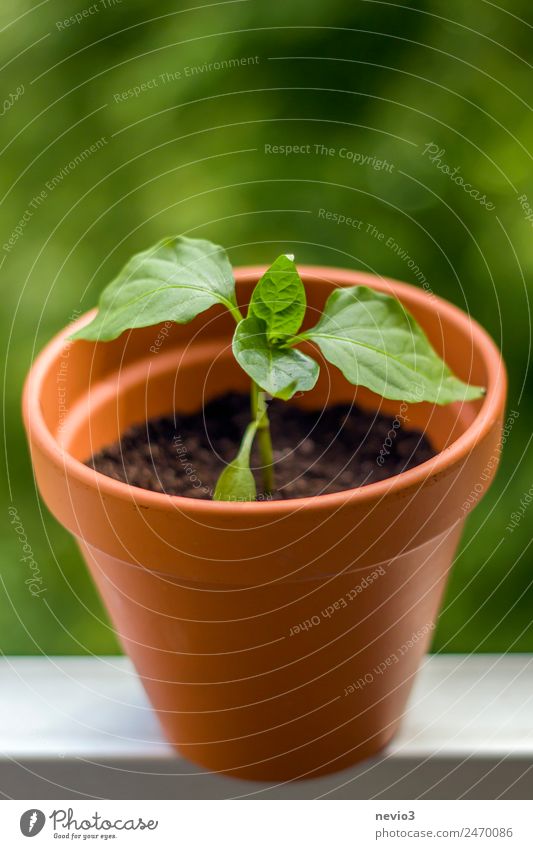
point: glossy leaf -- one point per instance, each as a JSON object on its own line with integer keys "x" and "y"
{"x": 376, "y": 343}
{"x": 278, "y": 370}
{"x": 279, "y": 300}
{"x": 173, "y": 281}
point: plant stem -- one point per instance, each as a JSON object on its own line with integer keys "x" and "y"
{"x": 234, "y": 310}
{"x": 260, "y": 414}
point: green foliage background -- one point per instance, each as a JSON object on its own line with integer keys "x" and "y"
{"x": 188, "y": 155}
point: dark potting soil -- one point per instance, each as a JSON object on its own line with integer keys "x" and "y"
{"x": 315, "y": 451}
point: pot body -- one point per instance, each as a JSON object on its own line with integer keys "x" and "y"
{"x": 282, "y": 680}
{"x": 275, "y": 640}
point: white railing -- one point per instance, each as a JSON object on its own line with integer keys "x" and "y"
{"x": 81, "y": 727}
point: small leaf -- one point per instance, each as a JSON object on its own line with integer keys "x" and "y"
{"x": 278, "y": 370}
{"x": 173, "y": 281}
{"x": 376, "y": 343}
{"x": 279, "y": 300}
{"x": 236, "y": 483}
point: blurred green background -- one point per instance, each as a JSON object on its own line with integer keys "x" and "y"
{"x": 186, "y": 153}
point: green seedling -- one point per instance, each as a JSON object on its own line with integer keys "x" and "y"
{"x": 368, "y": 335}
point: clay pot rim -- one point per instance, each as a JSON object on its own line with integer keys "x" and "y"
{"x": 492, "y": 404}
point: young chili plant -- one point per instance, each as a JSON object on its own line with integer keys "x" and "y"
{"x": 368, "y": 335}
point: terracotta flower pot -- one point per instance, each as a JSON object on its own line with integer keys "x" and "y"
{"x": 275, "y": 640}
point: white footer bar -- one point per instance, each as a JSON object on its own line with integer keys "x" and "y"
{"x": 262, "y": 825}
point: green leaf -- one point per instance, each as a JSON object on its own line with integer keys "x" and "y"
{"x": 173, "y": 281}
{"x": 278, "y": 370}
{"x": 279, "y": 300}
{"x": 376, "y": 343}
{"x": 236, "y": 483}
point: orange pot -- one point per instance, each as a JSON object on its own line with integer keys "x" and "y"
{"x": 275, "y": 640}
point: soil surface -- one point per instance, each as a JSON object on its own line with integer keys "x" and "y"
{"x": 316, "y": 452}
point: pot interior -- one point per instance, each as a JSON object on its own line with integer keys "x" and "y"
{"x": 97, "y": 390}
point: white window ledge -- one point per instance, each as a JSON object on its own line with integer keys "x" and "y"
{"x": 81, "y": 727}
